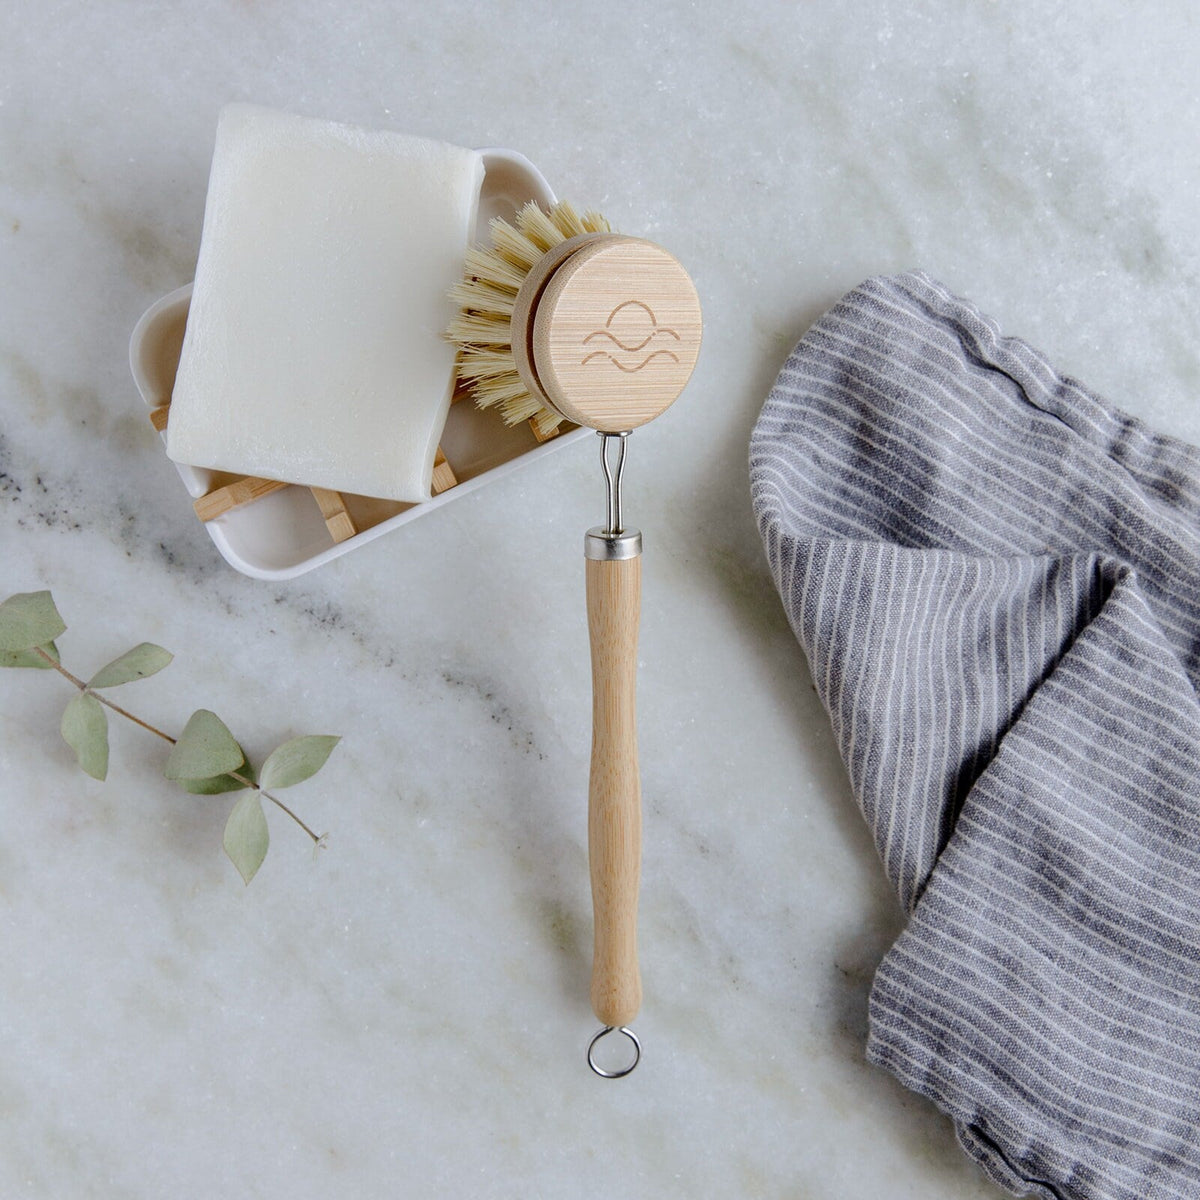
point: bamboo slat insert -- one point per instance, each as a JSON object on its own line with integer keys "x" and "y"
{"x": 332, "y": 504}
{"x": 443, "y": 474}
{"x": 234, "y": 495}
{"x": 333, "y": 508}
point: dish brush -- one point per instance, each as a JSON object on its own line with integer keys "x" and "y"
{"x": 563, "y": 320}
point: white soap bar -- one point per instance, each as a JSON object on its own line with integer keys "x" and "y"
{"x": 314, "y": 349}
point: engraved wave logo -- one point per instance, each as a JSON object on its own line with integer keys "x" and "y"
{"x": 631, "y": 338}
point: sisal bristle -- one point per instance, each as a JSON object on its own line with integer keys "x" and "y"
{"x": 482, "y": 296}
{"x": 538, "y": 228}
{"x": 523, "y": 409}
{"x": 504, "y": 391}
{"x": 566, "y": 220}
{"x": 482, "y": 263}
{"x": 545, "y": 423}
{"x": 486, "y": 363}
{"x": 471, "y": 328}
{"x": 511, "y": 244}
{"x": 486, "y": 295}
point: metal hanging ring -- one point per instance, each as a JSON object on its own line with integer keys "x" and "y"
{"x": 637, "y": 1051}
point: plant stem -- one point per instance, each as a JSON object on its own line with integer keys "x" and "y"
{"x": 83, "y": 687}
{"x": 166, "y": 737}
{"x": 316, "y": 837}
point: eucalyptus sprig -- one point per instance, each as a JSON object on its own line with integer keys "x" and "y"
{"x": 205, "y": 758}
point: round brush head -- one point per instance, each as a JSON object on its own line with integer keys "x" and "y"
{"x": 563, "y": 319}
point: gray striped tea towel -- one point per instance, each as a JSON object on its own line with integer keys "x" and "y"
{"x": 996, "y": 579}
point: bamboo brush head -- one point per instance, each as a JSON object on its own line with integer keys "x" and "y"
{"x": 563, "y": 319}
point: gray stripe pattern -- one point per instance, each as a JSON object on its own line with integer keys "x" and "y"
{"x": 996, "y": 579}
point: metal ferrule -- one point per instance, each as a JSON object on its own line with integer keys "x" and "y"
{"x": 600, "y": 544}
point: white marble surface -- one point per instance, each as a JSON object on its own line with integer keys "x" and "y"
{"x": 407, "y": 1016}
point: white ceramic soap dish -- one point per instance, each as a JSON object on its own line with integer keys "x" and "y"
{"x": 284, "y": 534}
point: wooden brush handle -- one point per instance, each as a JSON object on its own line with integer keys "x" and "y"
{"x": 615, "y": 795}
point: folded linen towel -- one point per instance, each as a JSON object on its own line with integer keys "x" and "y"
{"x": 996, "y": 579}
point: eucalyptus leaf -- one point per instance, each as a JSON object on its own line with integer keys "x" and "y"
{"x": 29, "y": 619}
{"x": 144, "y": 659}
{"x": 246, "y": 835}
{"x": 214, "y": 786}
{"x": 221, "y": 783}
{"x": 85, "y": 730}
{"x": 297, "y": 760}
{"x": 30, "y": 657}
{"x": 205, "y": 748}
